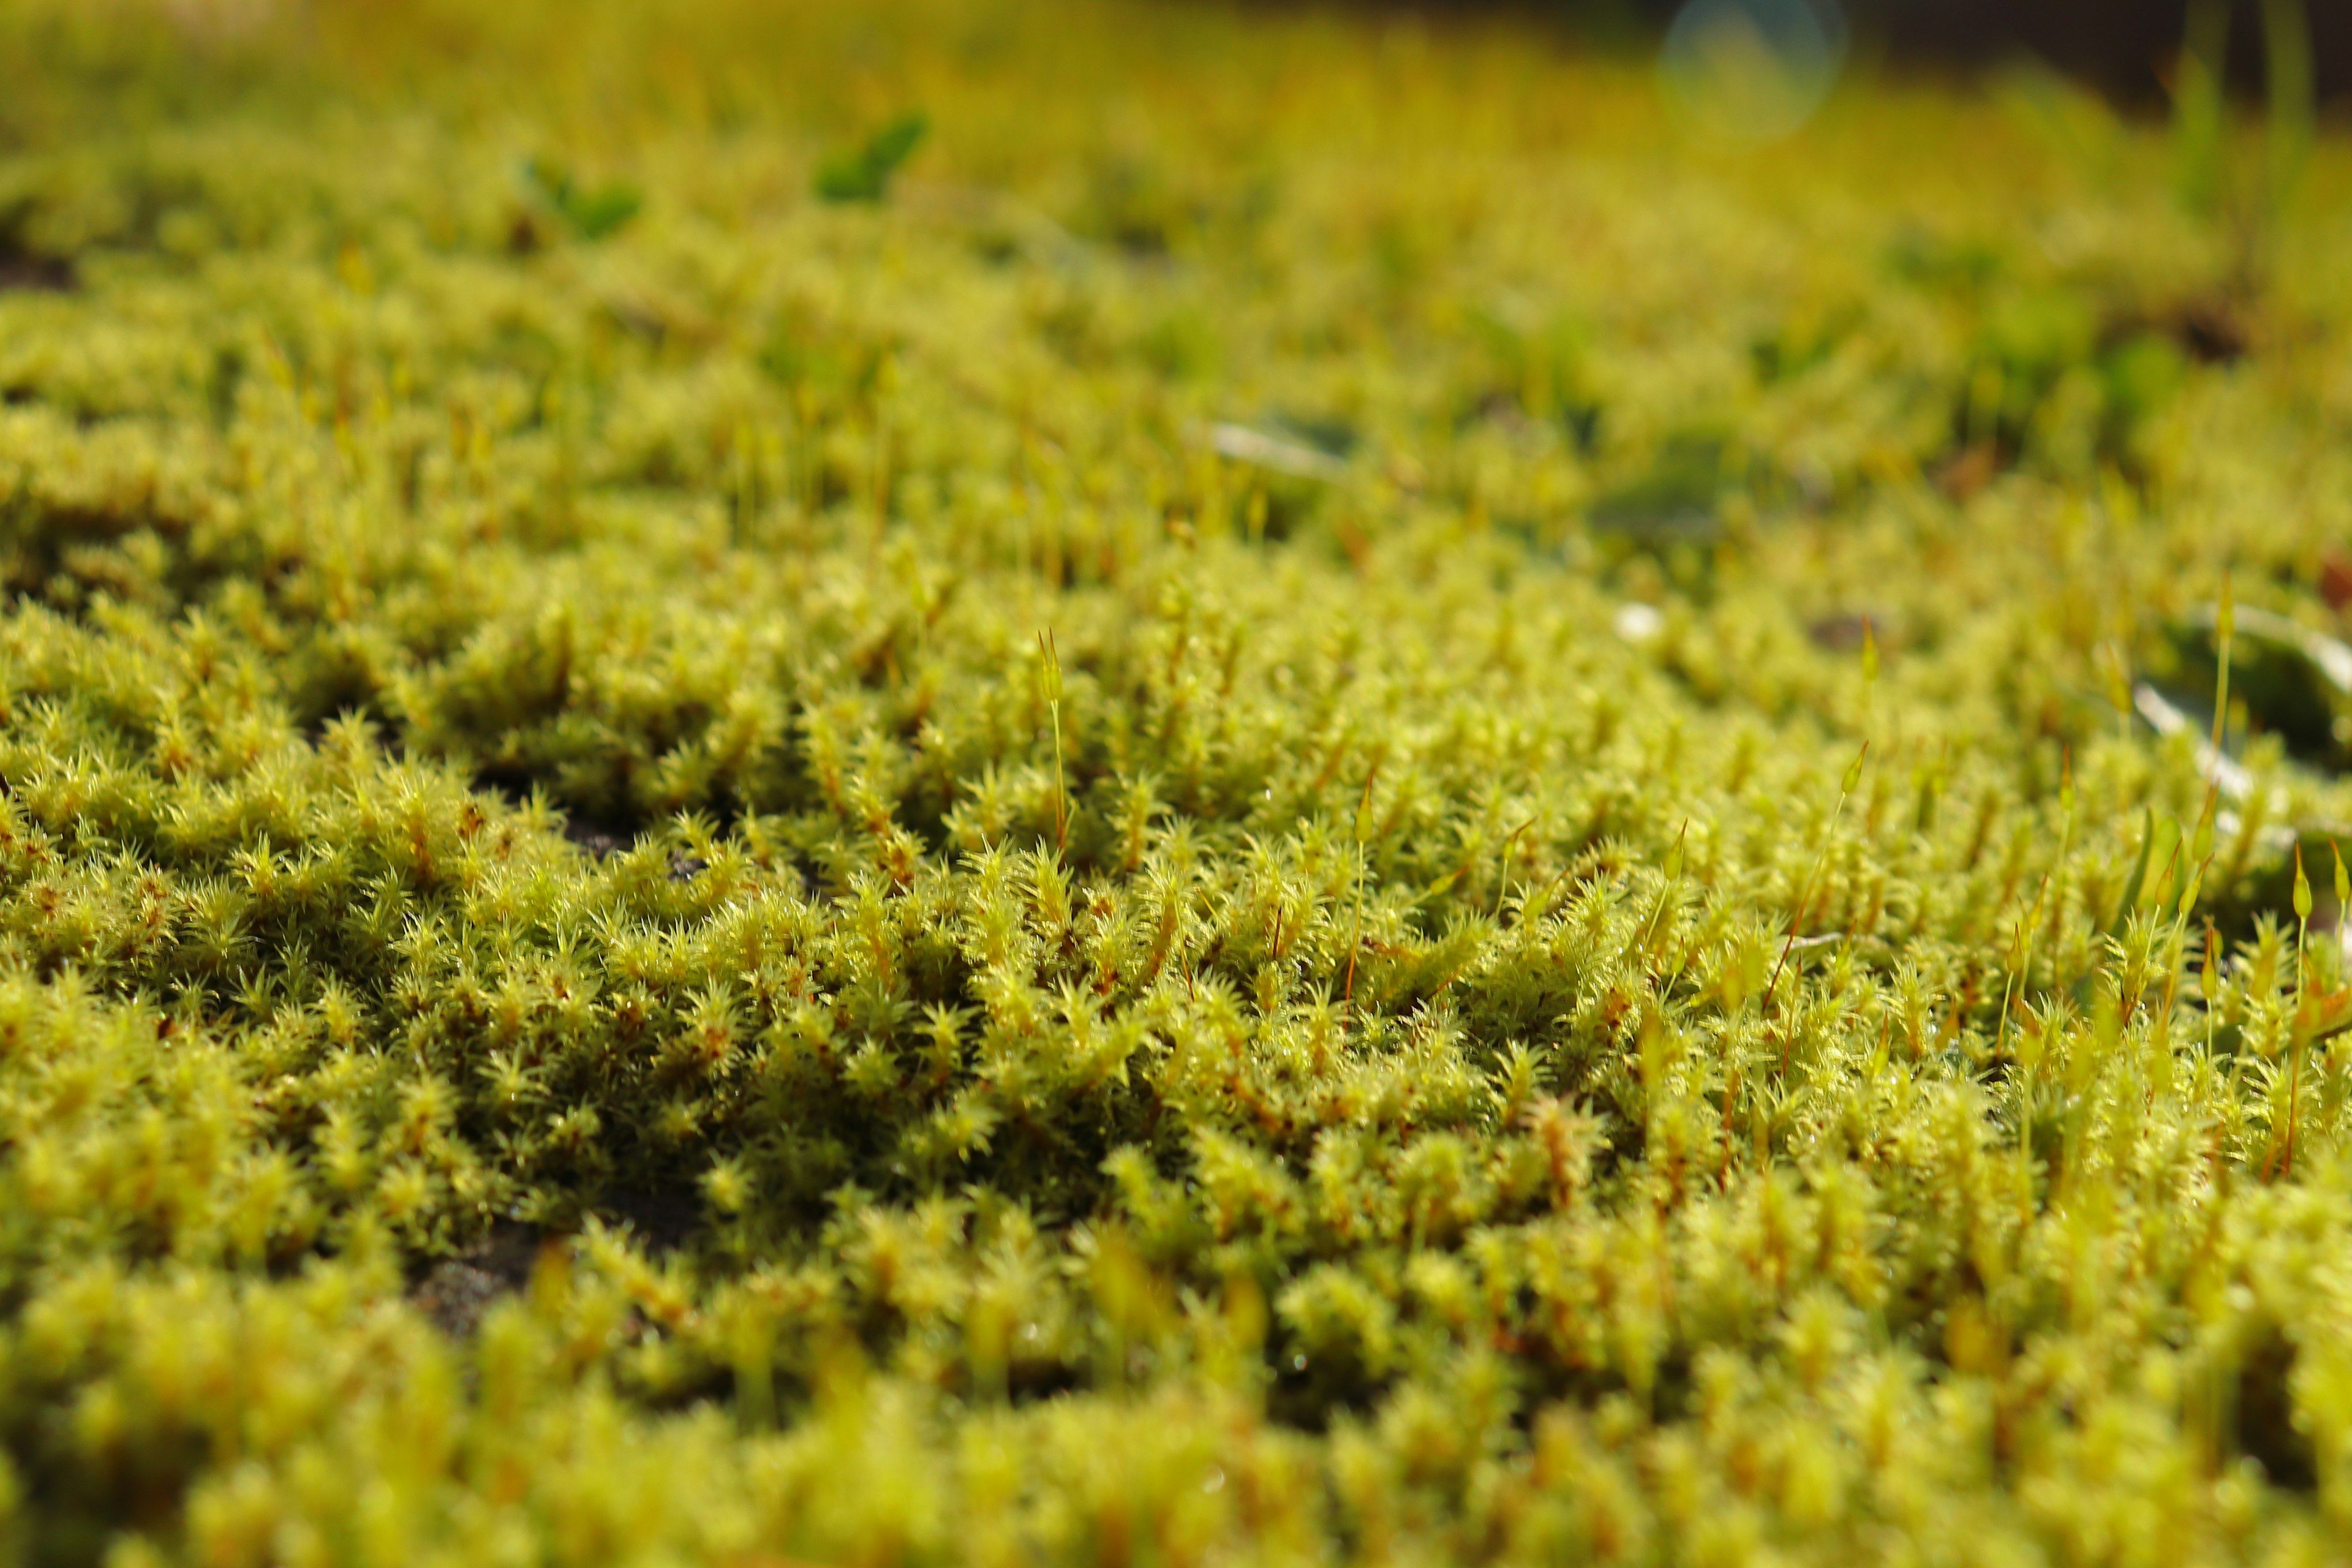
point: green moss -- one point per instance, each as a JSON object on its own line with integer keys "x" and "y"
{"x": 1326, "y": 807}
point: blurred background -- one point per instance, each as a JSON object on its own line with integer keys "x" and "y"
{"x": 2125, "y": 48}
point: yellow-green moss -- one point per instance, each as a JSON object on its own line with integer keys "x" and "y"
{"x": 1578, "y": 952}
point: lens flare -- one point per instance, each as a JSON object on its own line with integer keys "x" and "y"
{"x": 1752, "y": 70}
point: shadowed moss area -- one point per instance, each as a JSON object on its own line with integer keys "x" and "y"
{"x": 998, "y": 784}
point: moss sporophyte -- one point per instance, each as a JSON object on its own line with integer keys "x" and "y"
{"x": 1176, "y": 826}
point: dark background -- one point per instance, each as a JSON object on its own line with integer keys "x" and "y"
{"x": 2122, "y": 48}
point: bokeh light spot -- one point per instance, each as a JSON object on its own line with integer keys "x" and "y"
{"x": 1752, "y": 70}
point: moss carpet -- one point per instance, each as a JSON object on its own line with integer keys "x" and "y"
{"x": 991, "y": 783}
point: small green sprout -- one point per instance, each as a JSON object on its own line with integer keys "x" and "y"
{"x": 2224, "y": 626}
{"x": 2200, "y": 108}
{"x": 1846, "y": 785}
{"x": 592, "y": 214}
{"x": 2289, "y": 98}
{"x": 865, "y": 174}
{"x": 1049, "y": 659}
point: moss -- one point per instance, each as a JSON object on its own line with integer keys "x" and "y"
{"x": 1315, "y": 803}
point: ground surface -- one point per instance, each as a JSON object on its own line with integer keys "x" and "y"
{"x": 1323, "y": 799}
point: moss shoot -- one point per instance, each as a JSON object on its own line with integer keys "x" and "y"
{"x": 889, "y": 784}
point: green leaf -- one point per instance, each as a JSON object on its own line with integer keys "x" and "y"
{"x": 591, "y": 214}
{"x": 865, "y": 174}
